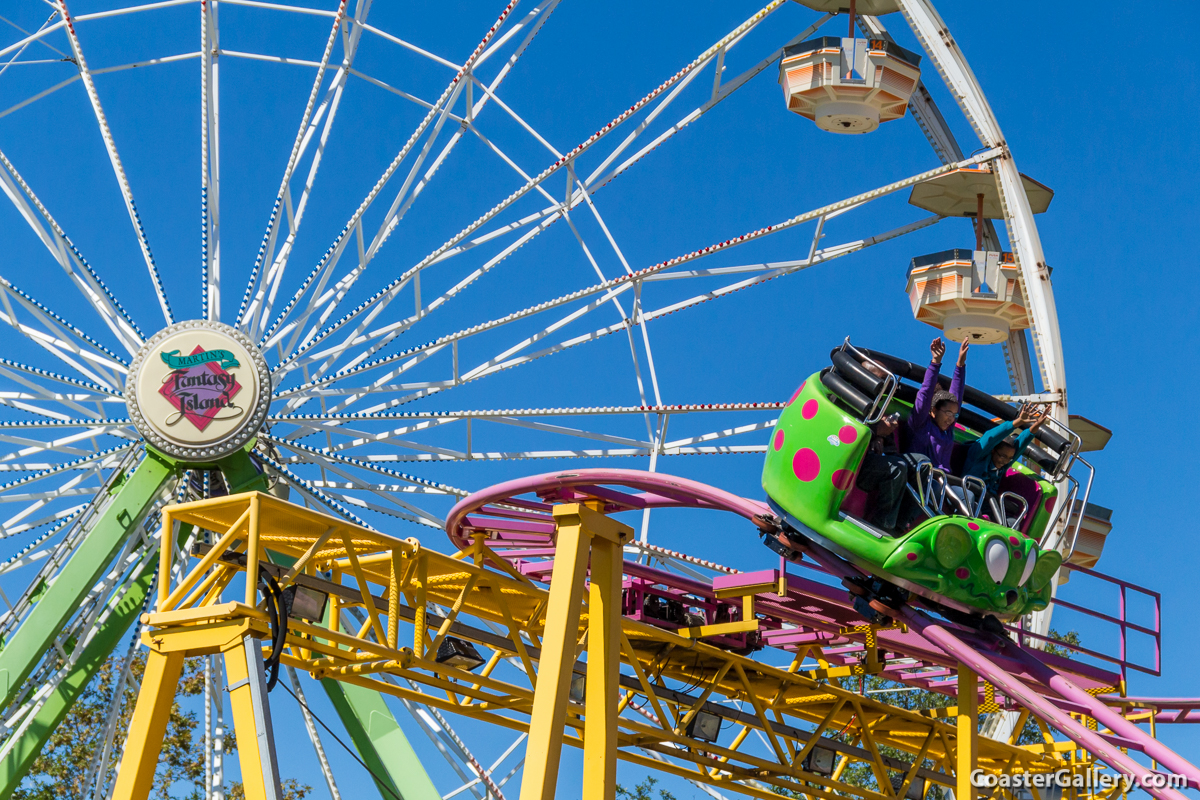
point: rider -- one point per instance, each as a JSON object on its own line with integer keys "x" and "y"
{"x": 935, "y": 410}
{"x": 885, "y": 471}
{"x": 990, "y": 456}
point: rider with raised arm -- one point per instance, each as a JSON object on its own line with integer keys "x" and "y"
{"x": 884, "y": 473}
{"x": 931, "y": 423}
{"x": 989, "y": 456}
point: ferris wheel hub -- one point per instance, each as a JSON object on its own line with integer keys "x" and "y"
{"x": 198, "y": 390}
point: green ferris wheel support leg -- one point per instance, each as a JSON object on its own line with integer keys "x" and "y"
{"x": 19, "y": 759}
{"x": 45, "y": 622}
{"x": 384, "y": 748}
{"x": 125, "y": 512}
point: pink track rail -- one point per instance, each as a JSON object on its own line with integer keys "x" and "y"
{"x": 516, "y": 518}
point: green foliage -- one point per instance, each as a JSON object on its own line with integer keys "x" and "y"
{"x": 292, "y": 790}
{"x": 1031, "y": 733}
{"x": 643, "y": 791}
{"x": 860, "y": 774}
{"x": 60, "y": 770}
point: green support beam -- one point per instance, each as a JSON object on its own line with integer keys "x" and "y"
{"x": 95, "y": 553}
{"x": 128, "y": 509}
{"x": 19, "y": 760}
{"x": 381, "y": 744}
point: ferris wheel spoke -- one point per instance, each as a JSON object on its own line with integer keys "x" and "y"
{"x": 483, "y": 414}
{"x": 380, "y": 338}
{"x": 17, "y": 527}
{"x": 508, "y": 358}
{"x": 535, "y": 19}
{"x": 414, "y": 356}
{"x": 66, "y": 490}
{"x": 81, "y": 273}
{"x": 343, "y": 286}
{"x": 210, "y": 165}
{"x": 411, "y": 483}
{"x": 37, "y": 36}
{"x": 249, "y": 310}
{"x": 40, "y": 548}
{"x": 328, "y": 300}
{"x": 115, "y": 158}
{"x": 323, "y": 269}
{"x": 71, "y": 401}
{"x": 19, "y": 521}
{"x": 58, "y": 332}
{"x": 34, "y": 447}
{"x": 118, "y": 68}
{"x": 392, "y": 506}
{"x": 393, "y": 289}
{"x": 594, "y": 182}
{"x": 701, "y": 443}
{"x": 19, "y": 29}
{"x": 362, "y": 437}
{"x": 30, "y": 402}
{"x": 51, "y": 338}
{"x": 641, "y": 322}
{"x": 63, "y": 423}
{"x": 8, "y": 369}
{"x": 107, "y": 458}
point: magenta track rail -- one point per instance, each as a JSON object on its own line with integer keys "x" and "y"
{"x": 516, "y": 519}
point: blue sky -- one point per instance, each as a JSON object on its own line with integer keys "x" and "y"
{"x": 1098, "y": 104}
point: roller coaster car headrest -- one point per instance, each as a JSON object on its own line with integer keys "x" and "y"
{"x": 843, "y": 390}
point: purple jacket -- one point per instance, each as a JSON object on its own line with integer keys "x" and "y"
{"x": 926, "y": 437}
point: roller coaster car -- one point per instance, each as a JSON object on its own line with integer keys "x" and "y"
{"x": 986, "y": 559}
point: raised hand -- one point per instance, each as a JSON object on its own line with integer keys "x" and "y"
{"x": 1027, "y": 415}
{"x": 937, "y": 349}
{"x": 962, "y": 352}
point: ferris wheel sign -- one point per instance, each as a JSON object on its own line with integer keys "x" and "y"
{"x": 198, "y": 390}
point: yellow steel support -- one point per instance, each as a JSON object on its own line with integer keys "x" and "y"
{"x": 200, "y": 632}
{"x": 251, "y": 721}
{"x": 580, "y": 530}
{"x": 968, "y": 732}
{"x": 392, "y": 581}
{"x": 604, "y": 658}
{"x": 148, "y": 726}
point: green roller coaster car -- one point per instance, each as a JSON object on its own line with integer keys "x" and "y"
{"x": 968, "y": 564}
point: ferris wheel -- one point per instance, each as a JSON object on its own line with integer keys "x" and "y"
{"x": 324, "y": 363}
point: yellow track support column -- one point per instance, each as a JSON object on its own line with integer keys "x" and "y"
{"x": 144, "y": 741}
{"x": 577, "y": 525}
{"x": 603, "y": 670}
{"x": 252, "y": 719}
{"x": 968, "y": 732}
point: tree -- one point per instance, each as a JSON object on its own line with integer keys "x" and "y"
{"x": 860, "y": 774}
{"x": 62, "y": 768}
{"x": 643, "y": 791}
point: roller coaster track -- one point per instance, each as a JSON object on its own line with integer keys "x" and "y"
{"x": 737, "y": 681}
